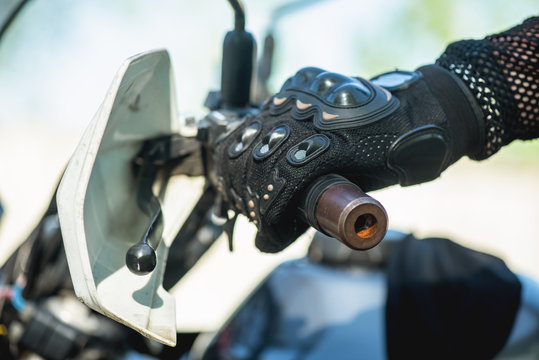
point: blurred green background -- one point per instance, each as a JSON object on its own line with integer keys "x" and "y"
{"x": 59, "y": 57}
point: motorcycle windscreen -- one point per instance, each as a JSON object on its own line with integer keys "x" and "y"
{"x": 97, "y": 205}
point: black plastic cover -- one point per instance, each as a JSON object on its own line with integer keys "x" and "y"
{"x": 237, "y": 68}
{"x": 419, "y": 155}
{"x": 246, "y": 138}
{"x": 271, "y": 142}
{"x": 50, "y": 338}
{"x": 308, "y": 149}
{"x": 396, "y": 80}
{"x": 445, "y": 301}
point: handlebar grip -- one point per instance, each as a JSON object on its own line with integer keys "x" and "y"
{"x": 342, "y": 210}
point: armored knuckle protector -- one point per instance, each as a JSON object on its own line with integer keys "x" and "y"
{"x": 392, "y": 129}
{"x": 332, "y": 101}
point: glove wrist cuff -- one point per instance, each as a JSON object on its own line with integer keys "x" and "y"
{"x": 464, "y": 117}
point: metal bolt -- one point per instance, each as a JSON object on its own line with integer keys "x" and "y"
{"x": 264, "y": 149}
{"x": 300, "y": 155}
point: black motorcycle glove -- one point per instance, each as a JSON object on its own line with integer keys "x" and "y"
{"x": 401, "y": 127}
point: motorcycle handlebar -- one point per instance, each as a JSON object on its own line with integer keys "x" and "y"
{"x": 342, "y": 210}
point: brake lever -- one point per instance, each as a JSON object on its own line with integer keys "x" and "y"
{"x": 141, "y": 258}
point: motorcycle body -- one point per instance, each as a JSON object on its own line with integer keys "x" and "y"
{"x": 328, "y": 304}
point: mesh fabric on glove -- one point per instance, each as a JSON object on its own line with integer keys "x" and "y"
{"x": 502, "y": 72}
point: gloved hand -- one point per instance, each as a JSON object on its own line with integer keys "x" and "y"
{"x": 405, "y": 130}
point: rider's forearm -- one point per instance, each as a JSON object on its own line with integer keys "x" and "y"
{"x": 502, "y": 73}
